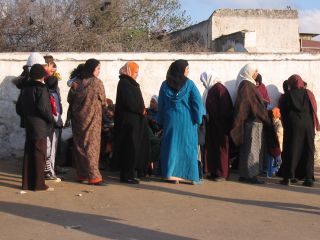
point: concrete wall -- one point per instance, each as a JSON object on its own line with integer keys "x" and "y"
{"x": 153, "y": 67}
{"x": 276, "y": 30}
{"x": 201, "y": 29}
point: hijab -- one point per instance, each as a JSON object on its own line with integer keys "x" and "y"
{"x": 246, "y": 73}
{"x": 175, "y": 75}
{"x": 88, "y": 68}
{"x": 208, "y": 79}
{"x": 155, "y": 97}
{"x": 296, "y": 82}
{"x": 129, "y": 68}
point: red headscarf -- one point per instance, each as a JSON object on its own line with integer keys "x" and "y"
{"x": 295, "y": 81}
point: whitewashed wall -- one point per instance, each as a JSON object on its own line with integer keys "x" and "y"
{"x": 275, "y": 68}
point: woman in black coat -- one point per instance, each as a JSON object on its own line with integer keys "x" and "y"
{"x": 132, "y": 146}
{"x": 34, "y": 106}
{"x": 299, "y": 117}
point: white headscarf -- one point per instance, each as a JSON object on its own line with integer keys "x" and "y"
{"x": 245, "y": 73}
{"x": 208, "y": 78}
{"x": 155, "y": 97}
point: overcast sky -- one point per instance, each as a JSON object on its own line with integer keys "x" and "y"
{"x": 309, "y": 10}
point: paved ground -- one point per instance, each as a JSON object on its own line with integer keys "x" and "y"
{"x": 157, "y": 210}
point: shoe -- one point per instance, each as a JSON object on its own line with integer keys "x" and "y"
{"x": 294, "y": 180}
{"x": 196, "y": 182}
{"x": 285, "y": 181}
{"x": 102, "y": 183}
{"x": 242, "y": 179}
{"x": 130, "y": 181}
{"x": 308, "y": 183}
{"x": 49, "y": 189}
{"x": 255, "y": 180}
{"x": 172, "y": 181}
{"x": 49, "y": 176}
{"x": 218, "y": 179}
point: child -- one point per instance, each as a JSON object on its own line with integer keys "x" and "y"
{"x": 274, "y": 156}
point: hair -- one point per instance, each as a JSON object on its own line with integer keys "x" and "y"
{"x": 77, "y": 71}
{"x": 49, "y": 59}
{"x": 259, "y": 78}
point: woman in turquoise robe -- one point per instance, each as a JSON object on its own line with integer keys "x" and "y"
{"x": 180, "y": 111}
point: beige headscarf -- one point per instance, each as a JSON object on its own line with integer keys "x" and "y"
{"x": 245, "y": 73}
{"x": 208, "y": 78}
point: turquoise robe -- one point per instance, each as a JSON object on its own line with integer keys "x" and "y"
{"x": 180, "y": 113}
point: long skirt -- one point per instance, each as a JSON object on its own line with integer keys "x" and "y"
{"x": 251, "y": 151}
{"x": 33, "y": 164}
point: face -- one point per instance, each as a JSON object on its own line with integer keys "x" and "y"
{"x": 254, "y": 76}
{"x": 96, "y": 71}
{"x": 49, "y": 69}
{"x": 153, "y": 104}
{"x": 135, "y": 74}
{"x": 186, "y": 71}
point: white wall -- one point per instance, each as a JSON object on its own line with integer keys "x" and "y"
{"x": 272, "y": 34}
{"x": 275, "y": 68}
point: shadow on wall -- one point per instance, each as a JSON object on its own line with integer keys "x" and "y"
{"x": 11, "y": 135}
{"x": 96, "y": 225}
{"x": 230, "y": 86}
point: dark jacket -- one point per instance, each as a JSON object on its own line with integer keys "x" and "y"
{"x": 34, "y": 106}
{"x": 131, "y": 127}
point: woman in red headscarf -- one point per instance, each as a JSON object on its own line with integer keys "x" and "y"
{"x": 299, "y": 115}
{"x": 132, "y": 145}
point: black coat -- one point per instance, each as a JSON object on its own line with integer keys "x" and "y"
{"x": 132, "y": 146}
{"x": 298, "y": 139}
{"x": 34, "y": 106}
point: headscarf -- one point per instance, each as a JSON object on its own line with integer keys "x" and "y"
{"x": 259, "y": 79}
{"x": 88, "y": 68}
{"x": 276, "y": 113}
{"x": 295, "y": 81}
{"x": 175, "y": 75}
{"x": 285, "y": 86}
{"x": 208, "y": 79}
{"x": 155, "y": 97}
{"x": 129, "y": 68}
{"x": 245, "y": 73}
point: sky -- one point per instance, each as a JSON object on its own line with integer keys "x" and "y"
{"x": 309, "y": 10}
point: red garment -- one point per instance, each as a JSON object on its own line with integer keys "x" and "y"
{"x": 53, "y": 105}
{"x": 263, "y": 92}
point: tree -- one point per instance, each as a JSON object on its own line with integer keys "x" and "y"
{"x": 85, "y": 25}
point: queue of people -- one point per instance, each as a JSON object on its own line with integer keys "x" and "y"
{"x": 166, "y": 138}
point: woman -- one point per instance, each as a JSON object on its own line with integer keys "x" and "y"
{"x": 180, "y": 112}
{"x": 34, "y": 105}
{"x": 299, "y": 115}
{"x": 86, "y": 100}
{"x": 132, "y": 145}
{"x": 219, "y": 110}
{"x": 250, "y": 116}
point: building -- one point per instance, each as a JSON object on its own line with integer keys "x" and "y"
{"x": 247, "y": 30}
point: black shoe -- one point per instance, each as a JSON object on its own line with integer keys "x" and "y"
{"x": 294, "y": 180}
{"x": 242, "y": 179}
{"x": 130, "y": 181}
{"x": 308, "y": 183}
{"x": 255, "y": 180}
{"x": 285, "y": 181}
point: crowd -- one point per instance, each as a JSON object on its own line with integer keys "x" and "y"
{"x": 181, "y": 137}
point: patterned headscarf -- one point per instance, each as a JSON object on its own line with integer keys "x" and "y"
{"x": 129, "y": 68}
